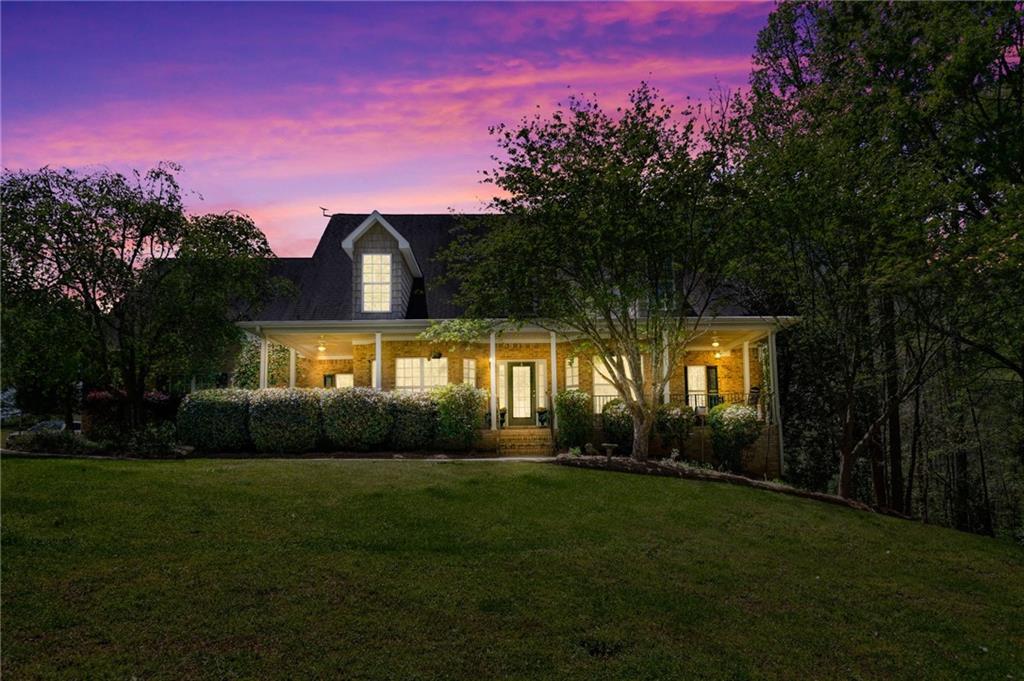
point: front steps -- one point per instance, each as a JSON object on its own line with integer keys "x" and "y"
{"x": 525, "y": 442}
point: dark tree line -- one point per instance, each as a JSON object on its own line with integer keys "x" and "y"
{"x": 880, "y": 165}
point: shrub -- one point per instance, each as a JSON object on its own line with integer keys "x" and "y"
{"x": 573, "y": 417}
{"x": 215, "y": 420}
{"x": 284, "y": 420}
{"x": 733, "y": 427}
{"x": 154, "y": 440}
{"x": 357, "y": 419}
{"x": 673, "y": 422}
{"x": 104, "y": 414}
{"x": 159, "y": 405}
{"x": 415, "y": 421}
{"x": 52, "y": 442}
{"x": 617, "y": 425}
{"x": 460, "y": 409}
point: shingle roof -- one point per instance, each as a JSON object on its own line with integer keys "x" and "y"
{"x": 324, "y": 281}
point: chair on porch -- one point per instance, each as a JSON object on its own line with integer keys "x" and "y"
{"x": 753, "y": 396}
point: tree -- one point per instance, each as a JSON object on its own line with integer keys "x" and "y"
{"x": 607, "y": 233}
{"x": 880, "y": 158}
{"x": 157, "y": 290}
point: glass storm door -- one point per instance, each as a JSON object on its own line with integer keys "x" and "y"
{"x": 522, "y": 390}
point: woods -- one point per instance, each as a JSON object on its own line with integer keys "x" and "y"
{"x": 880, "y": 155}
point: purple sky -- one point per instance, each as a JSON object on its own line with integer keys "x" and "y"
{"x": 275, "y": 109}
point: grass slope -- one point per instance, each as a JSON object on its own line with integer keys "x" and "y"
{"x": 415, "y": 570}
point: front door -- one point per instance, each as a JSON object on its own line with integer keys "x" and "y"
{"x": 522, "y": 391}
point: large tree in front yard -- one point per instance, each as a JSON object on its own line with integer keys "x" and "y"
{"x": 610, "y": 232}
{"x": 145, "y": 289}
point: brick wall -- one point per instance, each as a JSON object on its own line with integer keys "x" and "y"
{"x": 313, "y": 376}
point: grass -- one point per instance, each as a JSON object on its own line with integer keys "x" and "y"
{"x": 417, "y": 570}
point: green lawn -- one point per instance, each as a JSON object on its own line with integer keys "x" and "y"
{"x": 416, "y": 570}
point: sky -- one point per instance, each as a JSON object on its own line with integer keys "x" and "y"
{"x": 277, "y": 109}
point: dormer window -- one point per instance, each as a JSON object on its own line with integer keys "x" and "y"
{"x": 376, "y": 282}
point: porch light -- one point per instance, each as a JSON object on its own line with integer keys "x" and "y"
{"x": 718, "y": 354}
{"x": 320, "y": 345}
{"x": 714, "y": 342}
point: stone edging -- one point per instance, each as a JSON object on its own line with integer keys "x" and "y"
{"x": 675, "y": 470}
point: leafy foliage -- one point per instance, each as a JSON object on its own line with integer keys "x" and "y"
{"x": 675, "y": 419}
{"x": 574, "y": 417}
{"x": 53, "y": 442}
{"x": 460, "y": 410}
{"x": 357, "y": 419}
{"x": 415, "y": 421}
{"x": 215, "y": 420}
{"x": 633, "y": 195}
{"x": 617, "y": 425}
{"x": 284, "y": 420}
{"x": 733, "y": 428}
{"x": 246, "y": 373}
{"x": 144, "y": 290}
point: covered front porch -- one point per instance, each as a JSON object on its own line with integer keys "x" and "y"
{"x": 520, "y": 370}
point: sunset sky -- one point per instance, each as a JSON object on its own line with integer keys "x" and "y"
{"x": 276, "y": 109}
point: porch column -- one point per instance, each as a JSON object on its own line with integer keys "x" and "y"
{"x": 493, "y": 364}
{"x": 192, "y": 385}
{"x": 746, "y": 369}
{"x": 291, "y": 367}
{"x": 666, "y": 373}
{"x": 378, "y": 364}
{"x": 554, "y": 377}
{"x": 264, "y": 360}
{"x": 776, "y": 402}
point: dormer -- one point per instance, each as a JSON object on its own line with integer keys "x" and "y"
{"x": 383, "y": 269}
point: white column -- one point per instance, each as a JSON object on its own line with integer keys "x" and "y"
{"x": 746, "y": 369}
{"x": 264, "y": 361}
{"x": 665, "y": 368}
{"x": 379, "y": 364}
{"x": 493, "y": 364}
{"x": 192, "y": 385}
{"x": 776, "y": 402}
{"x": 554, "y": 377}
{"x": 291, "y": 367}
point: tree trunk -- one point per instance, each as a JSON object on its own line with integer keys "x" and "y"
{"x": 891, "y": 393}
{"x": 643, "y": 424}
{"x": 846, "y": 458}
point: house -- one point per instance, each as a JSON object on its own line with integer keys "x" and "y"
{"x": 372, "y": 286}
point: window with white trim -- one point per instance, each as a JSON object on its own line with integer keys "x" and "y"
{"x": 469, "y": 372}
{"x": 376, "y": 282}
{"x": 572, "y": 373}
{"x": 420, "y": 373}
{"x": 338, "y": 381}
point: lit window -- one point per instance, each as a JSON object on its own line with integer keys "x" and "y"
{"x": 420, "y": 373}
{"x": 376, "y": 282}
{"x": 604, "y": 390}
{"x": 469, "y": 372}
{"x": 572, "y": 373}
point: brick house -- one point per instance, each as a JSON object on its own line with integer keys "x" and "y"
{"x": 372, "y": 286}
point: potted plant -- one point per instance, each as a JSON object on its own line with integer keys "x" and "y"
{"x": 502, "y": 413}
{"x": 542, "y": 416}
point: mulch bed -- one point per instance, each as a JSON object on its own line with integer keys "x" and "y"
{"x": 671, "y": 469}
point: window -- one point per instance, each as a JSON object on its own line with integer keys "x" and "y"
{"x": 469, "y": 372}
{"x": 572, "y": 373}
{"x": 376, "y": 282}
{"x": 338, "y": 381}
{"x": 701, "y": 386}
{"x": 604, "y": 390}
{"x": 420, "y": 373}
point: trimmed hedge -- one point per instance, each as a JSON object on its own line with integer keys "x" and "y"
{"x": 460, "y": 410}
{"x": 285, "y": 420}
{"x": 357, "y": 419}
{"x": 673, "y": 423}
{"x": 617, "y": 425}
{"x": 575, "y": 420}
{"x": 415, "y": 421}
{"x": 215, "y": 420}
{"x": 733, "y": 427}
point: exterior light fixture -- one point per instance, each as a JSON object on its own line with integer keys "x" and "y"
{"x": 718, "y": 355}
{"x": 714, "y": 341}
{"x": 320, "y": 345}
